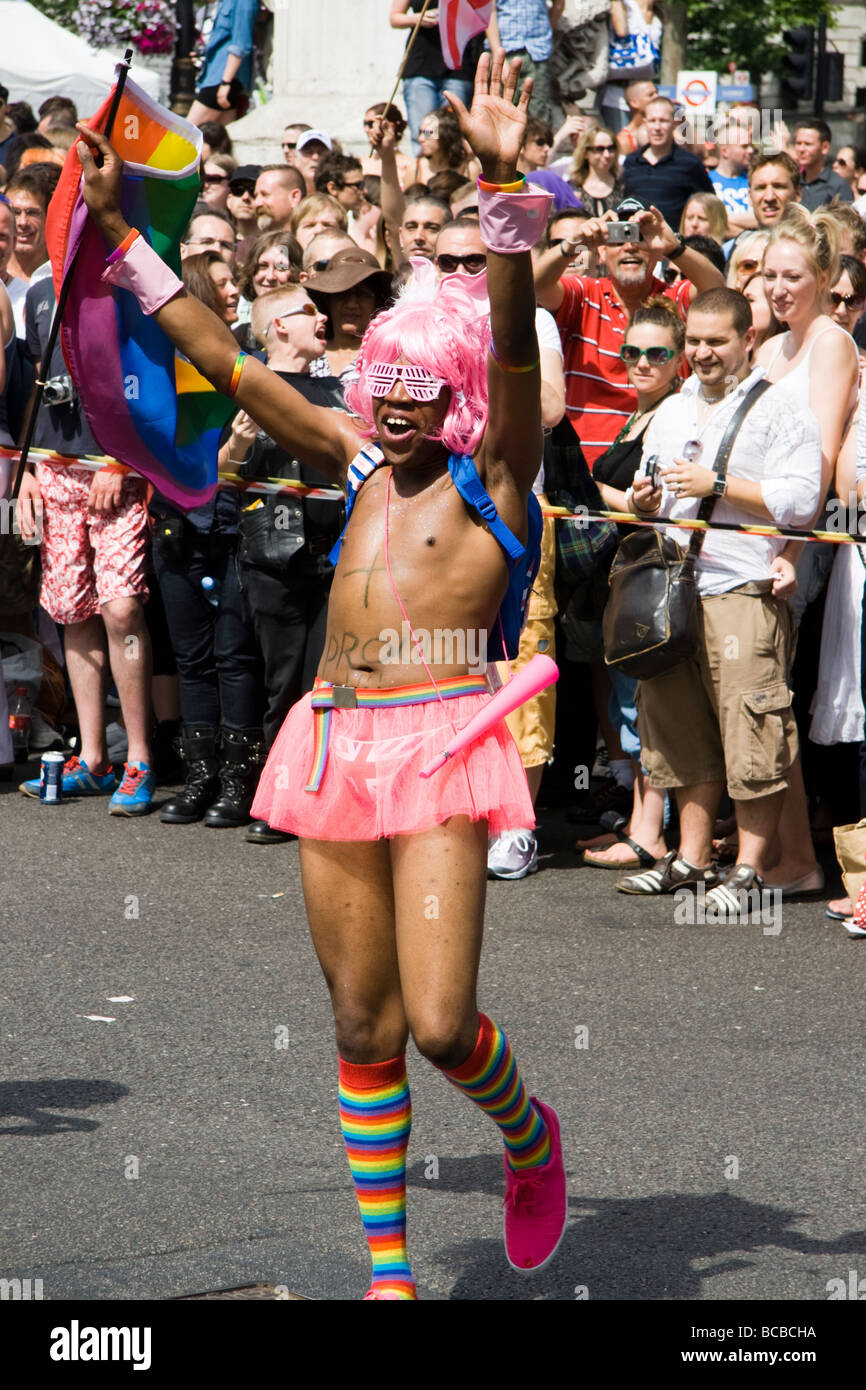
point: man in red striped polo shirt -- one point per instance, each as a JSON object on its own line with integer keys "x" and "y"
{"x": 593, "y": 314}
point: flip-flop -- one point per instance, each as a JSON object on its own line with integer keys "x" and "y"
{"x": 642, "y": 857}
{"x": 835, "y": 915}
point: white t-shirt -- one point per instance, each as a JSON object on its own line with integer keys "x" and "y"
{"x": 778, "y": 445}
{"x": 548, "y": 337}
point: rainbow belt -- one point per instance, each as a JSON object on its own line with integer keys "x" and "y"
{"x": 326, "y": 698}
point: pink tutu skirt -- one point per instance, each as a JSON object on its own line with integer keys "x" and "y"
{"x": 371, "y": 788}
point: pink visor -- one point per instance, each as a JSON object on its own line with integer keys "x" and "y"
{"x": 420, "y": 384}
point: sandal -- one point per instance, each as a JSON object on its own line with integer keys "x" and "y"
{"x": 642, "y": 857}
{"x": 668, "y": 876}
{"x": 731, "y": 900}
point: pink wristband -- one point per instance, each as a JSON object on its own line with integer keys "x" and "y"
{"x": 512, "y": 222}
{"x": 144, "y": 273}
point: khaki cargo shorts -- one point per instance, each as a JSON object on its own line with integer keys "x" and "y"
{"x": 726, "y": 714}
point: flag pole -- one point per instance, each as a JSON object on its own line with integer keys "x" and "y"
{"x": 122, "y": 71}
{"x": 406, "y": 52}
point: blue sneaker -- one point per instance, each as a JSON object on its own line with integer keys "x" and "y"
{"x": 78, "y": 780}
{"x": 135, "y": 793}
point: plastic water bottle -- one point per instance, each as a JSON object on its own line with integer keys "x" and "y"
{"x": 210, "y": 590}
{"x": 19, "y": 723}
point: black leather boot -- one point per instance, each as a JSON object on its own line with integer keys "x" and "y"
{"x": 260, "y": 833}
{"x": 198, "y": 745}
{"x": 241, "y": 763}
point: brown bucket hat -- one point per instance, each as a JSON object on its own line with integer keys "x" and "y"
{"x": 347, "y": 268}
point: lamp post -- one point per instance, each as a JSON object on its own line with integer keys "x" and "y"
{"x": 183, "y": 68}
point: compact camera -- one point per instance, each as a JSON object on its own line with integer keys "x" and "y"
{"x": 618, "y": 233}
{"x": 59, "y": 390}
{"x": 651, "y": 470}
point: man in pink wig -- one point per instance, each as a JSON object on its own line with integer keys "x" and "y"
{"x": 438, "y": 550}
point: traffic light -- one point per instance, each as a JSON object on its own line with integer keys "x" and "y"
{"x": 798, "y": 65}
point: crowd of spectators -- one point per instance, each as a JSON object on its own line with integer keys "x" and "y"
{"x": 740, "y": 264}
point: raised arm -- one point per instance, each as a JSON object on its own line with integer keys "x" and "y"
{"x": 383, "y": 141}
{"x": 324, "y": 438}
{"x": 659, "y": 237}
{"x": 494, "y": 129}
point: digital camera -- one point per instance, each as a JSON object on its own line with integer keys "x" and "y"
{"x": 59, "y": 390}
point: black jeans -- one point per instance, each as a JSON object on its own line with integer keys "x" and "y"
{"x": 289, "y": 613}
{"x": 218, "y": 663}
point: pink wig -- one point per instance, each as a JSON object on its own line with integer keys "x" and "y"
{"x": 441, "y": 326}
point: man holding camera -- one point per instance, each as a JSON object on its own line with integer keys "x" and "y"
{"x": 592, "y": 314}
{"x": 94, "y": 578}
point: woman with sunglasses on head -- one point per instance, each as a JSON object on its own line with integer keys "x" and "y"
{"x": 653, "y": 353}
{"x": 594, "y": 172}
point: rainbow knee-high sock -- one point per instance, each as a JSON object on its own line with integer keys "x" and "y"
{"x": 490, "y": 1078}
{"x": 376, "y": 1117}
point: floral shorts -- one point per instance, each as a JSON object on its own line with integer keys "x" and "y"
{"x": 89, "y": 558}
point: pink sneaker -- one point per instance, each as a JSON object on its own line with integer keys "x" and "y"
{"x": 536, "y": 1205}
{"x": 381, "y": 1295}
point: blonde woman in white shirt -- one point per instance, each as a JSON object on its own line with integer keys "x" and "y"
{"x": 815, "y": 363}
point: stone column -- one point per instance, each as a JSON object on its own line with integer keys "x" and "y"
{"x": 332, "y": 59}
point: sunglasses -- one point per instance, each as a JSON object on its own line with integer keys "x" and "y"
{"x": 242, "y": 190}
{"x": 851, "y": 301}
{"x": 420, "y": 384}
{"x": 602, "y": 149}
{"x": 308, "y": 308}
{"x": 353, "y": 183}
{"x": 474, "y": 263}
{"x": 655, "y": 356}
{"x": 215, "y": 178}
{"x": 287, "y": 146}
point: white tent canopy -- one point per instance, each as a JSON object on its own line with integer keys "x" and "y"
{"x": 40, "y": 59}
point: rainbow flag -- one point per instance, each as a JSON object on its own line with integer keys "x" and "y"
{"x": 460, "y": 21}
{"x": 146, "y": 406}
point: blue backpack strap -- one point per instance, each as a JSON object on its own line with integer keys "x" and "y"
{"x": 469, "y": 485}
{"x": 523, "y": 560}
{"x": 365, "y": 462}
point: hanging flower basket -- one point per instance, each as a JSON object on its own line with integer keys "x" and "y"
{"x": 148, "y": 25}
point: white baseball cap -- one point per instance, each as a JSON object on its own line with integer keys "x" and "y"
{"x": 310, "y": 135}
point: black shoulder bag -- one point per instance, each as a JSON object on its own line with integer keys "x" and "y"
{"x": 650, "y": 621}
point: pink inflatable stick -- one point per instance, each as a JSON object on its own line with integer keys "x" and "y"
{"x": 536, "y": 675}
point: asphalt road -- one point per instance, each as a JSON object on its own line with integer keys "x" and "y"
{"x": 712, "y": 1122}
